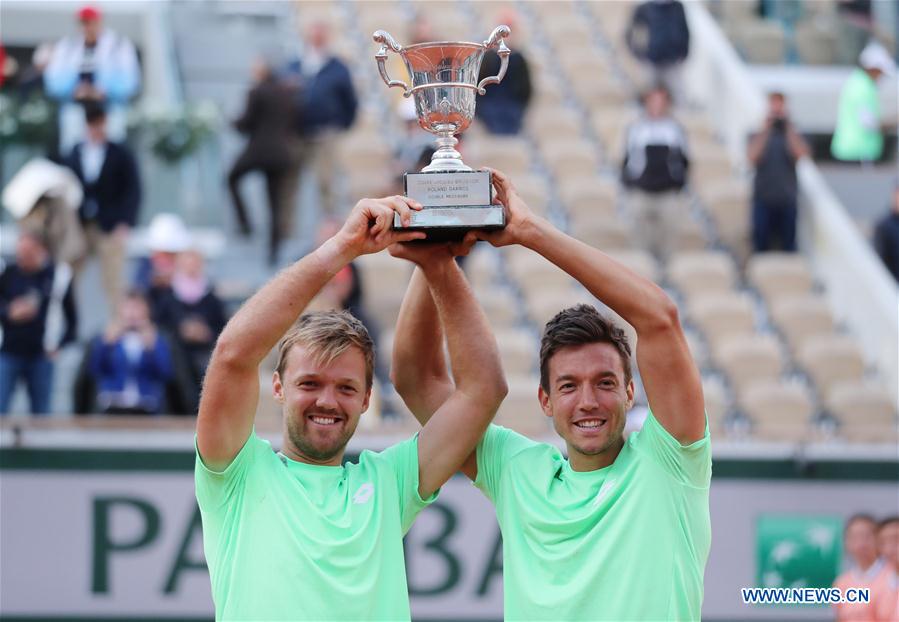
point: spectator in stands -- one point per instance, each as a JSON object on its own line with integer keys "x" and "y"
{"x": 167, "y": 237}
{"x": 270, "y": 122}
{"x": 191, "y": 312}
{"x": 131, "y": 362}
{"x": 659, "y": 37}
{"x": 327, "y": 108}
{"x": 854, "y": 27}
{"x": 38, "y": 317}
{"x": 886, "y": 237}
{"x": 885, "y": 593}
{"x": 774, "y": 152}
{"x": 97, "y": 66}
{"x": 44, "y": 197}
{"x": 866, "y": 571}
{"x": 112, "y": 194}
{"x": 655, "y": 171}
{"x": 502, "y": 107}
{"x": 858, "y": 136}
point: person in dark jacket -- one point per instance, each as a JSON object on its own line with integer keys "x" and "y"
{"x": 327, "y": 107}
{"x": 131, "y": 362}
{"x": 658, "y": 35}
{"x": 886, "y": 237}
{"x": 503, "y": 106}
{"x": 654, "y": 171}
{"x": 38, "y": 317}
{"x": 269, "y": 121}
{"x": 112, "y": 194}
{"x": 774, "y": 152}
{"x": 193, "y": 314}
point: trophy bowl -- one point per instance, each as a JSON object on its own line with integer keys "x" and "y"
{"x": 444, "y": 84}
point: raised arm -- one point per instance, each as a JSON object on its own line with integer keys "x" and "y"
{"x": 231, "y": 387}
{"x": 449, "y": 438}
{"x": 418, "y": 370}
{"x": 670, "y": 376}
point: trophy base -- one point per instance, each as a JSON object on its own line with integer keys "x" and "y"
{"x": 453, "y": 203}
{"x": 444, "y": 224}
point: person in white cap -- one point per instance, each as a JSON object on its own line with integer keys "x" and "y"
{"x": 857, "y": 136}
{"x": 167, "y": 238}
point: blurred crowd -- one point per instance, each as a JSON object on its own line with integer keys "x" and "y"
{"x": 872, "y": 551}
{"x": 84, "y": 199}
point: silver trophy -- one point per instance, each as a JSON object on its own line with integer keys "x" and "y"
{"x": 444, "y": 83}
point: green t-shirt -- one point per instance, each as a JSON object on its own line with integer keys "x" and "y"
{"x": 857, "y": 133}
{"x": 286, "y": 540}
{"x": 626, "y": 542}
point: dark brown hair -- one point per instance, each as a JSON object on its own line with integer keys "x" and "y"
{"x": 576, "y": 326}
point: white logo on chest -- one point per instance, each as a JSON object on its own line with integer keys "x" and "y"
{"x": 604, "y": 491}
{"x": 364, "y": 493}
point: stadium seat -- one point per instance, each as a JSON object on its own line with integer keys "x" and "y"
{"x": 719, "y": 315}
{"x": 829, "y": 359}
{"x": 509, "y": 155}
{"x": 716, "y": 404}
{"x": 606, "y": 234}
{"x": 521, "y": 411}
{"x": 799, "y": 317}
{"x": 697, "y": 272}
{"x": 571, "y": 159}
{"x": 749, "y": 358}
{"x": 519, "y": 351}
{"x": 865, "y": 410}
{"x": 640, "y": 261}
{"x": 779, "y": 410}
{"x": 776, "y": 274}
{"x": 588, "y": 196}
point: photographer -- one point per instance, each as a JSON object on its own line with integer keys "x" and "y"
{"x": 774, "y": 152}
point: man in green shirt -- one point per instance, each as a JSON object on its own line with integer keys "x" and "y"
{"x": 297, "y": 535}
{"x": 619, "y": 530}
{"x": 857, "y": 136}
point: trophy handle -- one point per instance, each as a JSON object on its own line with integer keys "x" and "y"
{"x": 499, "y": 34}
{"x": 383, "y": 37}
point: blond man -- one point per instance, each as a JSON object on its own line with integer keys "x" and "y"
{"x": 299, "y": 535}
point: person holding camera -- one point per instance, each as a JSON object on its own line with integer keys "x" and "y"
{"x": 774, "y": 152}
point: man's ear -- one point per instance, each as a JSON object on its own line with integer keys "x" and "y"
{"x": 545, "y": 404}
{"x": 367, "y": 400}
{"x": 630, "y": 394}
{"x": 277, "y": 388}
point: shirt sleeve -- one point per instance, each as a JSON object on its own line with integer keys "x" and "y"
{"x": 218, "y": 488}
{"x": 688, "y": 464}
{"x": 403, "y": 460}
{"x": 495, "y": 450}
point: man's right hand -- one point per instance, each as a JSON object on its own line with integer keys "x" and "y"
{"x": 424, "y": 254}
{"x": 369, "y": 227}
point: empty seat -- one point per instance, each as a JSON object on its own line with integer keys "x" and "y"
{"x": 606, "y": 234}
{"x": 588, "y": 196}
{"x": 861, "y": 402}
{"x": 571, "y": 160}
{"x": 801, "y": 317}
{"x": 778, "y": 410}
{"x": 521, "y": 411}
{"x": 553, "y": 123}
{"x": 829, "y": 359}
{"x": 535, "y": 192}
{"x": 719, "y": 315}
{"x": 510, "y": 155}
{"x": 519, "y": 351}
{"x": 777, "y": 274}
{"x": 697, "y": 272}
{"x": 746, "y": 359}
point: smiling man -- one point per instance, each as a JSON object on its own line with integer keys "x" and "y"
{"x": 298, "y": 535}
{"x": 618, "y": 530}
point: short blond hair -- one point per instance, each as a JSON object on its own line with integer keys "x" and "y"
{"x": 327, "y": 335}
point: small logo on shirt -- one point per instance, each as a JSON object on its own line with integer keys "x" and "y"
{"x": 364, "y": 493}
{"x": 604, "y": 491}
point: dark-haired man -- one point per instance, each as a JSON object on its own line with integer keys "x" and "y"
{"x": 617, "y": 530}
{"x": 109, "y": 176}
{"x": 885, "y": 592}
{"x": 298, "y": 535}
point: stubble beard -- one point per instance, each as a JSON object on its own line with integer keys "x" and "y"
{"x": 300, "y": 440}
